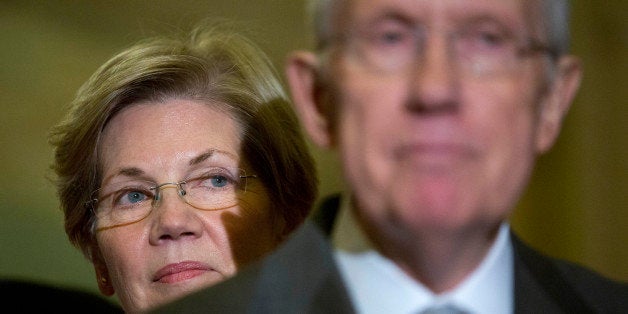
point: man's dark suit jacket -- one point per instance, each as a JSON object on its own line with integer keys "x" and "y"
{"x": 302, "y": 277}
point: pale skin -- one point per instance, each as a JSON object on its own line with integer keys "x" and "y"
{"x": 435, "y": 159}
{"x": 177, "y": 249}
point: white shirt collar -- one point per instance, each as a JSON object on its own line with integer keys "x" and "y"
{"x": 377, "y": 285}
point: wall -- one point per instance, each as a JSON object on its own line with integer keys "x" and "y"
{"x": 575, "y": 209}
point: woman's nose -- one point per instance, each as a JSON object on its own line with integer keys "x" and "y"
{"x": 172, "y": 218}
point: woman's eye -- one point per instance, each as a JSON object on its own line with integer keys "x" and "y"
{"x": 211, "y": 181}
{"x": 130, "y": 197}
{"x": 134, "y": 197}
{"x": 218, "y": 181}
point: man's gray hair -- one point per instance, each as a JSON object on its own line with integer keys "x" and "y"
{"x": 555, "y": 19}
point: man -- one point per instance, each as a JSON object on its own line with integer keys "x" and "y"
{"x": 438, "y": 110}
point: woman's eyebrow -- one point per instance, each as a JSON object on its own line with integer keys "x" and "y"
{"x": 208, "y": 154}
{"x": 131, "y": 172}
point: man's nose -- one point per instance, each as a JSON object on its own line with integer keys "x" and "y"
{"x": 434, "y": 83}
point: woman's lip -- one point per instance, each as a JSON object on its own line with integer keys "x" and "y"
{"x": 180, "y": 271}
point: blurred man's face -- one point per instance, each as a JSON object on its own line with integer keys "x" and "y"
{"x": 439, "y": 115}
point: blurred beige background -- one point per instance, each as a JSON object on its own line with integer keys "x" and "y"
{"x": 576, "y": 208}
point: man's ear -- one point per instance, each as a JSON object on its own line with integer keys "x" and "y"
{"x": 302, "y": 72}
{"x": 102, "y": 274}
{"x": 554, "y": 108}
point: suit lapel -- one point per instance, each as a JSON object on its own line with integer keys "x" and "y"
{"x": 325, "y": 215}
{"x": 539, "y": 285}
{"x": 302, "y": 274}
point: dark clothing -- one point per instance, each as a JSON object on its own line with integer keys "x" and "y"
{"x": 302, "y": 277}
{"x": 21, "y": 296}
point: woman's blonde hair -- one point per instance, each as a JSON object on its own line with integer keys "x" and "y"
{"x": 214, "y": 65}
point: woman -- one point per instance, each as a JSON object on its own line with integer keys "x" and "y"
{"x": 180, "y": 161}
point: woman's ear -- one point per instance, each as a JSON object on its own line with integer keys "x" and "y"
{"x": 301, "y": 72}
{"x": 102, "y": 274}
{"x": 558, "y": 101}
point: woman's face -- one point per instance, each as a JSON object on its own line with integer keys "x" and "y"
{"x": 176, "y": 248}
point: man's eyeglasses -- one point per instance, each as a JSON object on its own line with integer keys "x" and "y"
{"x": 480, "y": 51}
{"x": 124, "y": 203}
